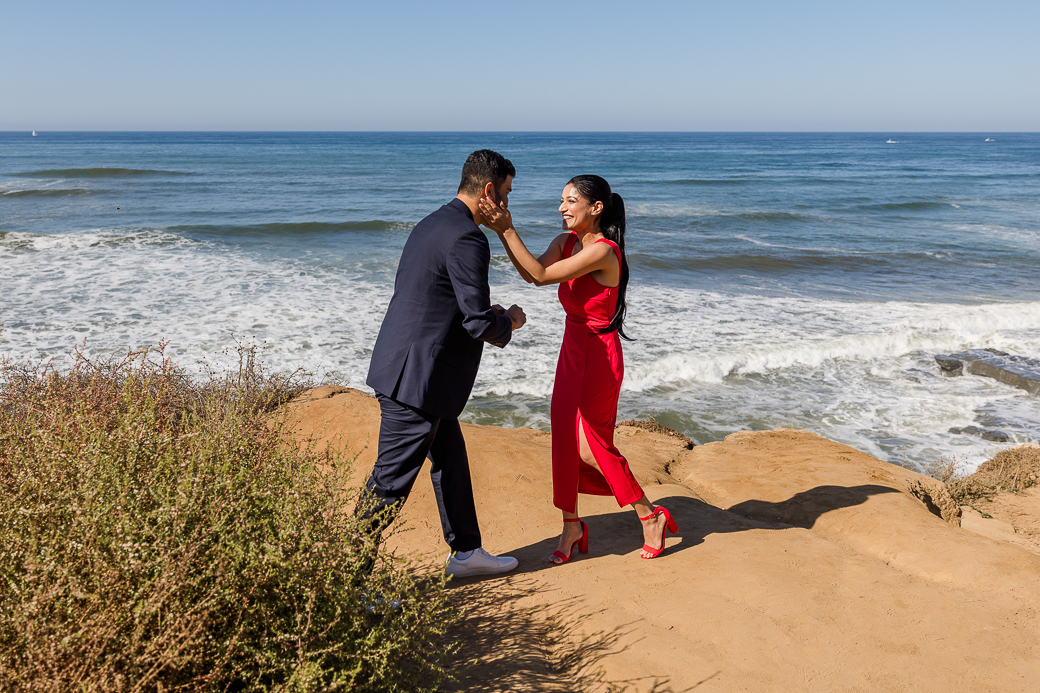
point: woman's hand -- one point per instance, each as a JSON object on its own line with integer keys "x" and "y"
{"x": 496, "y": 217}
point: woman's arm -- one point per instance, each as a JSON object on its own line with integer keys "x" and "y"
{"x": 551, "y": 267}
{"x": 502, "y": 220}
{"x": 598, "y": 256}
{"x": 552, "y": 255}
{"x": 516, "y": 263}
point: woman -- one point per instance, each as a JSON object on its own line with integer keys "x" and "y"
{"x": 588, "y": 262}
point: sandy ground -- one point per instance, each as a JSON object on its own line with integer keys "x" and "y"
{"x": 800, "y": 565}
{"x": 1012, "y": 517}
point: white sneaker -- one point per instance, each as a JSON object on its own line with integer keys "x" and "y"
{"x": 480, "y": 563}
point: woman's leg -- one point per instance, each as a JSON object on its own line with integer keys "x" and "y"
{"x": 572, "y": 530}
{"x": 584, "y": 449}
{"x": 571, "y": 533}
{"x": 653, "y": 529}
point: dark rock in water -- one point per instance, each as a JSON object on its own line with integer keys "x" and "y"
{"x": 950, "y": 366}
{"x": 995, "y": 436}
{"x": 1018, "y": 371}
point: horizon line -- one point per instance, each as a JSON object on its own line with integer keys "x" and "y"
{"x": 634, "y": 132}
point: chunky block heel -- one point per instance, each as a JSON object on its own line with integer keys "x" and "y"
{"x": 669, "y": 526}
{"x": 582, "y": 543}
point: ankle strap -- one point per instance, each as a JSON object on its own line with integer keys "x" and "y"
{"x": 655, "y": 513}
{"x": 577, "y": 519}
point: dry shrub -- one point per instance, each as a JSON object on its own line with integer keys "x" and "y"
{"x": 957, "y": 489}
{"x": 654, "y": 427}
{"x": 156, "y": 535}
{"x": 945, "y": 470}
{"x": 1014, "y": 469}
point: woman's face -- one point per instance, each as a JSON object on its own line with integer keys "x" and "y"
{"x": 578, "y": 214}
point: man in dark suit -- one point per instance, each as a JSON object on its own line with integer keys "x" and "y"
{"x": 425, "y": 359}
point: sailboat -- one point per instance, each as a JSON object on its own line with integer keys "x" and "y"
{"x": 34, "y": 133}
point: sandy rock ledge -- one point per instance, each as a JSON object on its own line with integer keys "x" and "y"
{"x": 801, "y": 565}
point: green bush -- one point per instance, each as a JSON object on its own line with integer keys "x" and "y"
{"x": 162, "y": 533}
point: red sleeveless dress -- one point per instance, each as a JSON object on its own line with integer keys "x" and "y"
{"x": 585, "y": 393}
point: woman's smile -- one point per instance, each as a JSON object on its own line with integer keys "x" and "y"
{"x": 577, "y": 213}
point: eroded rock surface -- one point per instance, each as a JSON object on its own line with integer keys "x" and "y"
{"x": 800, "y": 565}
{"x": 936, "y": 498}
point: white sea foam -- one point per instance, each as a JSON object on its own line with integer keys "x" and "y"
{"x": 129, "y": 289}
{"x": 766, "y": 244}
{"x": 779, "y": 333}
{"x": 856, "y": 371}
{"x": 859, "y": 372}
{"x": 664, "y": 210}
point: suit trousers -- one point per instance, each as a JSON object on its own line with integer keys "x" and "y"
{"x": 407, "y": 436}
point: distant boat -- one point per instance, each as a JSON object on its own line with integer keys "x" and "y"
{"x": 990, "y": 139}
{"x": 892, "y": 141}
{"x": 34, "y": 133}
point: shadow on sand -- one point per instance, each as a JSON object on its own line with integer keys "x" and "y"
{"x": 621, "y": 533}
{"x": 511, "y": 642}
{"x": 516, "y": 637}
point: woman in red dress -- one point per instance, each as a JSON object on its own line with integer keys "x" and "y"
{"x": 588, "y": 262}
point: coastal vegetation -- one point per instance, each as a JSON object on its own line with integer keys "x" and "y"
{"x": 161, "y": 531}
{"x": 1013, "y": 470}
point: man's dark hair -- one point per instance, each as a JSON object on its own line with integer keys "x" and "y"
{"x": 483, "y": 166}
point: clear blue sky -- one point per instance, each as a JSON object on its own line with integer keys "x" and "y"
{"x": 526, "y": 65}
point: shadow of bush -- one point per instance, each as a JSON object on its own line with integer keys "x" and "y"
{"x": 513, "y": 636}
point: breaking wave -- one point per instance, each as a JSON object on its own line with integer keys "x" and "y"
{"x": 46, "y": 192}
{"x": 289, "y": 229}
{"x": 98, "y": 173}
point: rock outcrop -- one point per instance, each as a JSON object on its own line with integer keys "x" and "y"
{"x": 1018, "y": 371}
{"x": 936, "y": 498}
{"x": 800, "y": 565}
{"x": 986, "y": 434}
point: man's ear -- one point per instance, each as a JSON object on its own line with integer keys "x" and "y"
{"x": 489, "y": 189}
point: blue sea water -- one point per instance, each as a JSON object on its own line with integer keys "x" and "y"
{"x": 800, "y": 280}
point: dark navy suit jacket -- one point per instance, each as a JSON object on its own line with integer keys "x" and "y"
{"x": 432, "y": 336}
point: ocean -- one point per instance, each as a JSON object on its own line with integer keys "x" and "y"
{"x": 777, "y": 279}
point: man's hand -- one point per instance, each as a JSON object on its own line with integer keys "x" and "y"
{"x": 498, "y": 310}
{"x": 516, "y": 314}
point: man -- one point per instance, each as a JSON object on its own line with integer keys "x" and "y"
{"x": 426, "y": 357}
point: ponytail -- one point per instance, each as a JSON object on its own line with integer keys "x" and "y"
{"x": 612, "y": 226}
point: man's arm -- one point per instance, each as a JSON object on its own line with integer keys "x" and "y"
{"x": 468, "y": 260}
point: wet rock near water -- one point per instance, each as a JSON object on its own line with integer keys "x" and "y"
{"x": 1018, "y": 371}
{"x": 995, "y": 436}
{"x": 950, "y": 366}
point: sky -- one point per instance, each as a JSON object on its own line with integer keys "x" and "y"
{"x": 740, "y": 65}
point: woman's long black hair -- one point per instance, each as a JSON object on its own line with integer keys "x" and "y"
{"x": 612, "y": 226}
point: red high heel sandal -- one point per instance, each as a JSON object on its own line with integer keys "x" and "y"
{"x": 669, "y": 526}
{"x": 582, "y": 543}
